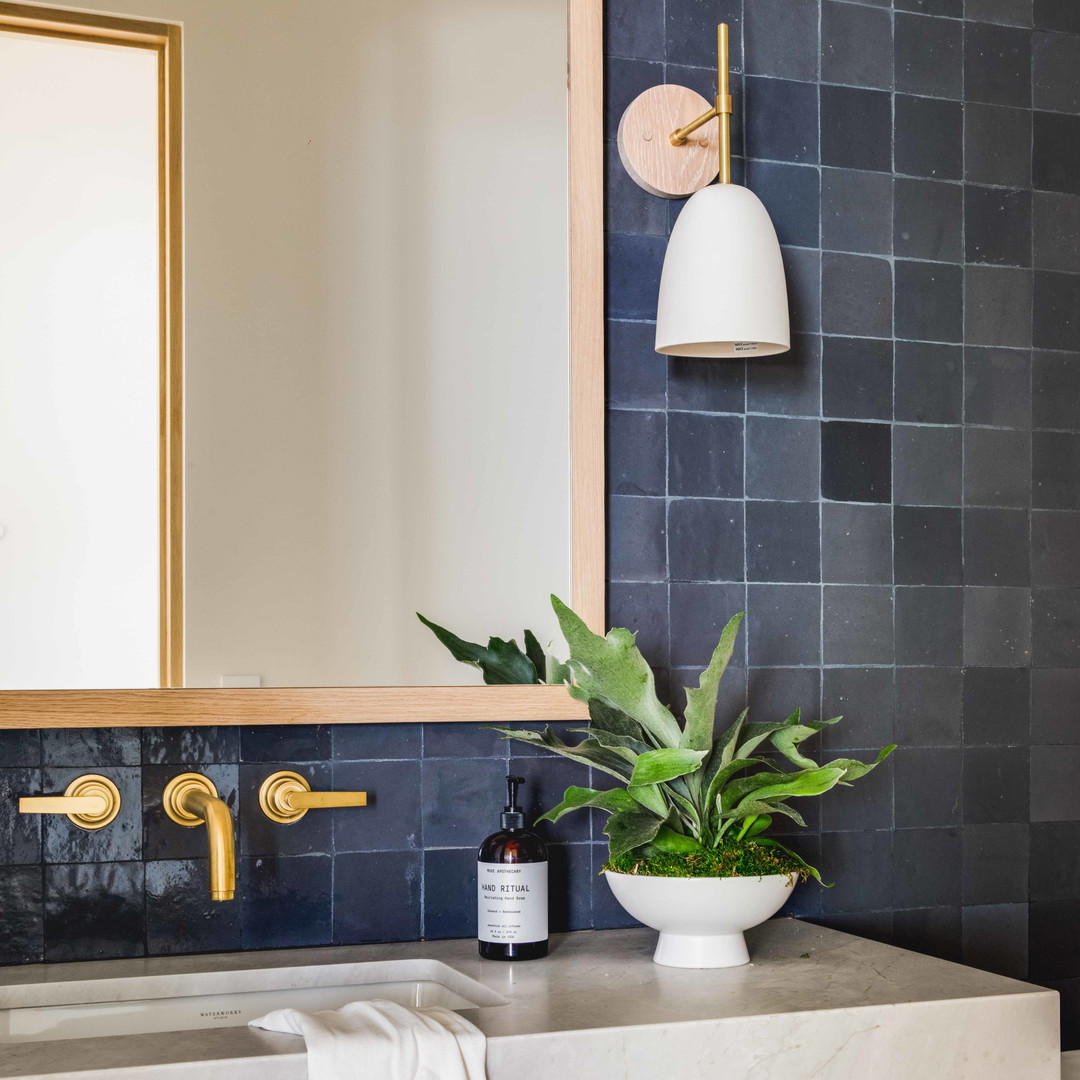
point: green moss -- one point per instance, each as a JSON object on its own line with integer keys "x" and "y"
{"x": 732, "y": 860}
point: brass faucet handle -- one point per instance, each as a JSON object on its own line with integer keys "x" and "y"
{"x": 286, "y": 797}
{"x": 90, "y": 801}
{"x": 321, "y": 800}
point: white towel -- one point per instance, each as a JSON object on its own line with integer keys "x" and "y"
{"x": 382, "y": 1040}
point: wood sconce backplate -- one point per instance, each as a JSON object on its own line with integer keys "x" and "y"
{"x": 672, "y": 172}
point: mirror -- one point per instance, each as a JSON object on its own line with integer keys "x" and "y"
{"x": 377, "y": 359}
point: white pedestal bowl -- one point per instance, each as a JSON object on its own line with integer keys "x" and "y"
{"x": 701, "y": 920}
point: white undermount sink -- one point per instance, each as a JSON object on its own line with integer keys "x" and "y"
{"x": 80, "y": 1010}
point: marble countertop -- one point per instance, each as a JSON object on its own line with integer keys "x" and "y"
{"x": 592, "y": 980}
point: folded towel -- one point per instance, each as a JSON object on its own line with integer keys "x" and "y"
{"x": 385, "y": 1041}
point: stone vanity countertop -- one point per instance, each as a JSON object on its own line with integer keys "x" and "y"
{"x": 601, "y": 985}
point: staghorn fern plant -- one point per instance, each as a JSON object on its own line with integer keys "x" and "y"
{"x": 684, "y": 793}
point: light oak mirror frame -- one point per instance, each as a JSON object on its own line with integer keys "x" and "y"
{"x": 355, "y": 704}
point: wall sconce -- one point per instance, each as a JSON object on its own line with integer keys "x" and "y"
{"x": 722, "y": 292}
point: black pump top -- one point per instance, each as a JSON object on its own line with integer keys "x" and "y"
{"x": 513, "y": 817}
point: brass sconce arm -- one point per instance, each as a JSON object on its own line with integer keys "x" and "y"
{"x": 721, "y": 110}
{"x": 680, "y": 135}
{"x": 192, "y": 800}
{"x": 90, "y": 802}
{"x": 286, "y": 797}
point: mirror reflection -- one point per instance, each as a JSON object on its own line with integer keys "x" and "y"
{"x": 374, "y": 345}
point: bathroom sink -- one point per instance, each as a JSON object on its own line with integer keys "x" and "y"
{"x": 80, "y": 1010}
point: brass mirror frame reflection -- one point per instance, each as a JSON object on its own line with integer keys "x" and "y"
{"x": 353, "y": 704}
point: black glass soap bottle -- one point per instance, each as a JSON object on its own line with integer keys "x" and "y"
{"x": 511, "y": 887}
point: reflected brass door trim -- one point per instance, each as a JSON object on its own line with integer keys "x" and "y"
{"x": 365, "y": 704}
{"x": 171, "y": 389}
{"x": 84, "y": 25}
{"x": 164, "y": 39}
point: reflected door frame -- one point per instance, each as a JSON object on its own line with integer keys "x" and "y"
{"x": 359, "y": 704}
{"x": 165, "y": 41}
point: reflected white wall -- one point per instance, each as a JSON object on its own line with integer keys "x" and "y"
{"x": 376, "y": 332}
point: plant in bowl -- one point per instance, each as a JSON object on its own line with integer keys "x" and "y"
{"x": 688, "y": 854}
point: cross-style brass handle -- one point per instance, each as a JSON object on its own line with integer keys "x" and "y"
{"x": 90, "y": 801}
{"x": 286, "y": 797}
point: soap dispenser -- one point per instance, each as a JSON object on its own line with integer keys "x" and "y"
{"x": 512, "y": 887}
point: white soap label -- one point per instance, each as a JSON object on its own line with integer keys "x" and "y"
{"x": 511, "y": 902}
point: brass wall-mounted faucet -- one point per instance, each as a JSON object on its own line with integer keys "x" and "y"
{"x": 191, "y": 799}
{"x": 90, "y": 801}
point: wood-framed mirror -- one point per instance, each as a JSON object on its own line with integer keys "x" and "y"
{"x": 309, "y": 139}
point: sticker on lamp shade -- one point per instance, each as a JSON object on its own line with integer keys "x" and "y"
{"x": 746, "y": 346}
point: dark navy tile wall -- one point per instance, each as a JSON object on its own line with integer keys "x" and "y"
{"x": 399, "y": 869}
{"x": 896, "y": 502}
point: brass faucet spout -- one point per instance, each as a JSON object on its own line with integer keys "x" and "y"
{"x": 191, "y": 800}
{"x": 219, "y": 833}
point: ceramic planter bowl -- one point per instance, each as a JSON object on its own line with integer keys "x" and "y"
{"x": 701, "y": 920}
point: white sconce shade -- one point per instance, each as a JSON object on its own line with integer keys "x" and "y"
{"x": 723, "y": 292}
